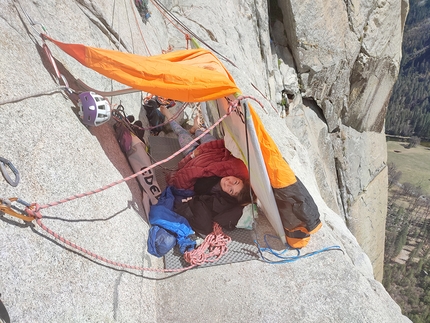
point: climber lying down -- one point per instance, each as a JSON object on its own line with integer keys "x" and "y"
{"x": 219, "y": 181}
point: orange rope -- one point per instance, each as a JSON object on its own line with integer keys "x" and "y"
{"x": 168, "y": 50}
{"x": 213, "y": 247}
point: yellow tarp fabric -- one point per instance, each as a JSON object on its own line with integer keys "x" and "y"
{"x": 187, "y": 75}
{"x": 280, "y": 173}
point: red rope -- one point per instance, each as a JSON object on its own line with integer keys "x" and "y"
{"x": 213, "y": 247}
{"x": 232, "y": 106}
{"x": 215, "y": 242}
{"x": 51, "y": 60}
{"x": 31, "y": 212}
{"x": 34, "y": 209}
{"x": 188, "y": 40}
{"x": 100, "y": 258}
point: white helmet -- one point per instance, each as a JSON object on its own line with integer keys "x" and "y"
{"x": 94, "y": 109}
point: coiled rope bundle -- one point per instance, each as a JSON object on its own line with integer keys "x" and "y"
{"x": 213, "y": 247}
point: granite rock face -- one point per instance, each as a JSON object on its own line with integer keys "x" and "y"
{"x": 347, "y": 57}
{"x": 339, "y": 58}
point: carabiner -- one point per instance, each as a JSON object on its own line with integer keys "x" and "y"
{"x": 3, "y": 163}
{"x": 7, "y": 207}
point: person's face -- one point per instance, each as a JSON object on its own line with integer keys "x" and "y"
{"x": 231, "y": 185}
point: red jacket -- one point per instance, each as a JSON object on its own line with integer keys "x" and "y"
{"x": 211, "y": 159}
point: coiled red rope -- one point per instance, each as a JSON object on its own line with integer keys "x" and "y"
{"x": 213, "y": 247}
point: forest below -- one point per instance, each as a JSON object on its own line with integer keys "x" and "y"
{"x": 407, "y": 245}
{"x": 409, "y": 107}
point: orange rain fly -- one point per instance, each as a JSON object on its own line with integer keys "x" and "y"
{"x": 193, "y": 75}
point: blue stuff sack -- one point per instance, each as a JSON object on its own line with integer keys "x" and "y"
{"x": 160, "y": 241}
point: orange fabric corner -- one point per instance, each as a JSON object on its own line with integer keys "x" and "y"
{"x": 301, "y": 242}
{"x": 298, "y": 243}
{"x": 280, "y": 173}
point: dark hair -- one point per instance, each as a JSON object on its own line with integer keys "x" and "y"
{"x": 246, "y": 195}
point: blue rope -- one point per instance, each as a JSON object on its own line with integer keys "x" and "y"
{"x": 287, "y": 259}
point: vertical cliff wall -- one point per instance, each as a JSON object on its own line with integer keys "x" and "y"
{"x": 339, "y": 58}
{"x": 346, "y": 55}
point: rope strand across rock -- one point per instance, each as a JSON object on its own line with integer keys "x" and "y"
{"x": 216, "y": 242}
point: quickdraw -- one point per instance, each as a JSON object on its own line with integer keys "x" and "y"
{"x": 6, "y": 206}
{"x": 3, "y": 163}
